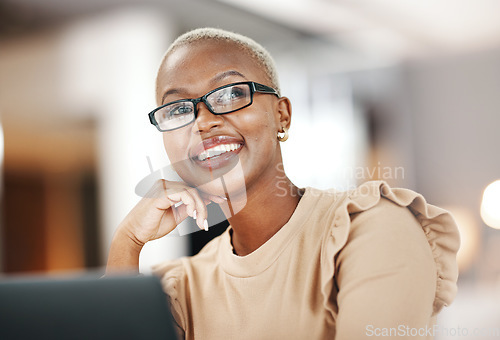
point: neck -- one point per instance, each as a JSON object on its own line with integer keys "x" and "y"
{"x": 268, "y": 207}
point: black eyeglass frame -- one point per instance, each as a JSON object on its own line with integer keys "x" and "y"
{"x": 254, "y": 87}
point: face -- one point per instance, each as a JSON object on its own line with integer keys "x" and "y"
{"x": 247, "y": 136}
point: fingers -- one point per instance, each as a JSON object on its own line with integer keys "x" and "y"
{"x": 179, "y": 200}
{"x": 201, "y": 213}
{"x": 182, "y": 197}
{"x": 161, "y": 210}
{"x": 214, "y": 198}
{"x": 188, "y": 200}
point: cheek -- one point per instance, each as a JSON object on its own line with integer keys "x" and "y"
{"x": 258, "y": 126}
{"x": 264, "y": 131}
{"x": 174, "y": 145}
{"x": 259, "y": 132}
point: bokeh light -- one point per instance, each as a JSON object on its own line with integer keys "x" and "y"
{"x": 490, "y": 205}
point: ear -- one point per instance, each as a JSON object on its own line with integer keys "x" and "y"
{"x": 284, "y": 112}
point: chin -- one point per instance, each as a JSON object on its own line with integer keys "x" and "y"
{"x": 223, "y": 183}
{"x": 225, "y": 179}
{"x": 230, "y": 185}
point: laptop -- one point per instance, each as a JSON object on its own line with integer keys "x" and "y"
{"x": 84, "y": 307}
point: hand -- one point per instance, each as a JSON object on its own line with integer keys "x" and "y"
{"x": 165, "y": 206}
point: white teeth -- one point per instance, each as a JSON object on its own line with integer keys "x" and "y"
{"x": 203, "y": 155}
{"x": 217, "y": 150}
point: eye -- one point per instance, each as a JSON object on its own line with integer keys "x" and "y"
{"x": 230, "y": 94}
{"x": 237, "y": 92}
{"x": 176, "y": 110}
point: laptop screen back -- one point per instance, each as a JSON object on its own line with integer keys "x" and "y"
{"x": 84, "y": 308}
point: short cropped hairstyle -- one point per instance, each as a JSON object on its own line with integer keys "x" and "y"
{"x": 260, "y": 55}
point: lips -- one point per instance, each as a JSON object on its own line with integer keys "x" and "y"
{"x": 215, "y": 152}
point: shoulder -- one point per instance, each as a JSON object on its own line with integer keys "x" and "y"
{"x": 394, "y": 226}
{"x": 177, "y": 275}
{"x": 375, "y": 205}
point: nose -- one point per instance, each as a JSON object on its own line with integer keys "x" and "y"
{"x": 206, "y": 120}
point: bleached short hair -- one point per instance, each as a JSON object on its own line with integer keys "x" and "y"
{"x": 260, "y": 55}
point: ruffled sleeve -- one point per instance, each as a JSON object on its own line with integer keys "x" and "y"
{"x": 374, "y": 209}
{"x": 171, "y": 274}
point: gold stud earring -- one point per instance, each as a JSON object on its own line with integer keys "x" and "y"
{"x": 284, "y": 137}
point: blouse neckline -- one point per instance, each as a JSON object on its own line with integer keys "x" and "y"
{"x": 264, "y": 256}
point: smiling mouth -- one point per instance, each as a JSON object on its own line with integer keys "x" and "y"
{"x": 217, "y": 151}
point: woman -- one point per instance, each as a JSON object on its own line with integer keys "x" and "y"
{"x": 294, "y": 263}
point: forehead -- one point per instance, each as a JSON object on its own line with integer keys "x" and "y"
{"x": 194, "y": 65}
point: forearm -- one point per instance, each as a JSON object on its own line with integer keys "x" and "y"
{"x": 123, "y": 253}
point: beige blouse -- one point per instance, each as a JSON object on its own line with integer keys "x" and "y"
{"x": 347, "y": 265}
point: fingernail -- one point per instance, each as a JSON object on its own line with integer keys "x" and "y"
{"x": 194, "y": 214}
{"x": 224, "y": 198}
{"x": 205, "y": 224}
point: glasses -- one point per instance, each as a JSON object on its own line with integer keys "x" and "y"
{"x": 222, "y": 100}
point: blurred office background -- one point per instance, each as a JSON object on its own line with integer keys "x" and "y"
{"x": 408, "y": 92}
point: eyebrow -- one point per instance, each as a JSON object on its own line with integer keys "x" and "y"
{"x": 169, "y": 92}
{"x": 226, "y": 74}
{"x": 214, "y": 80}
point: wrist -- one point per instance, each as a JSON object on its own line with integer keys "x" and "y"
{"x": 124, "y": 252}
{"x": 125, "y": 235}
